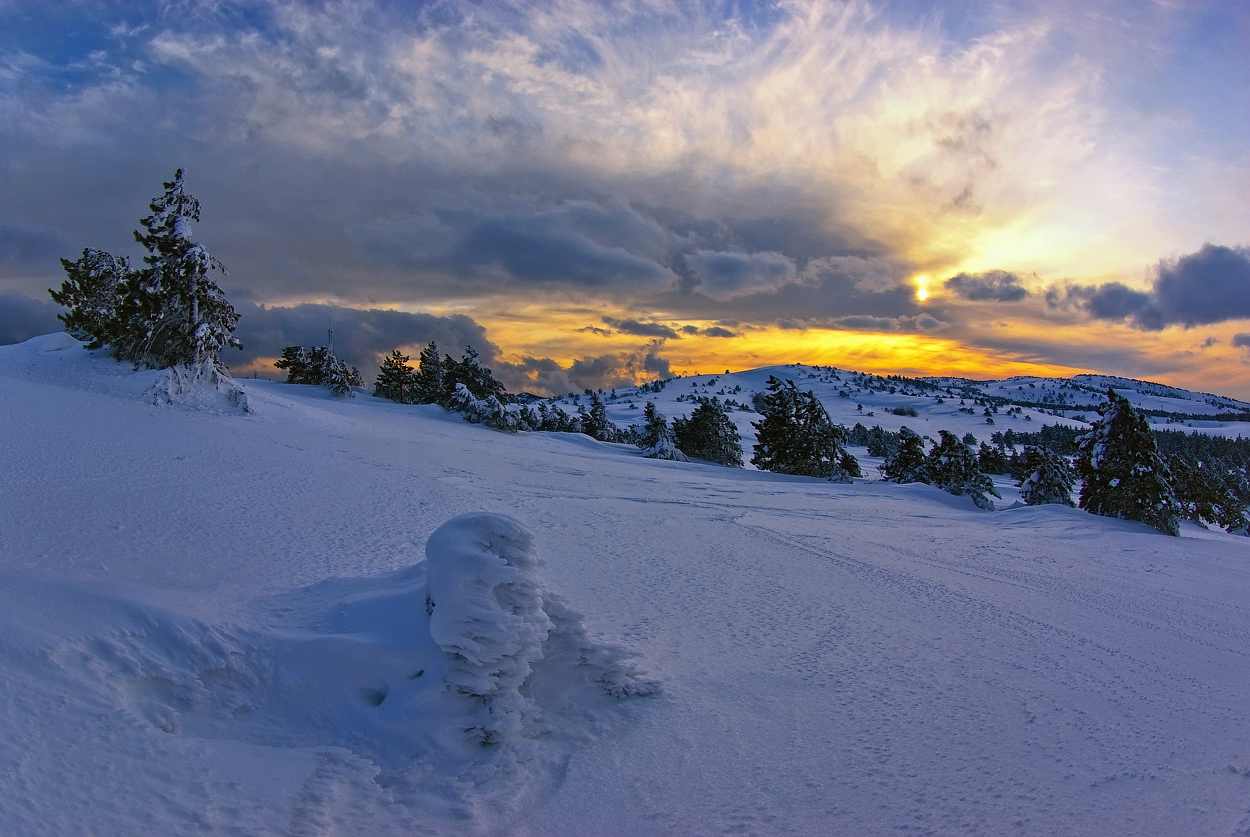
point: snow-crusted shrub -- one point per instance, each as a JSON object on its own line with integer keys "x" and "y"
{"x": 953, "y": 467}
{"x": 497, "y": 622}
{"x": 1121, "y": 470}
{"x": 1050, "y": 478}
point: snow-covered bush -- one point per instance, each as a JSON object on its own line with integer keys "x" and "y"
{"x": 497, "y": 622}
{"x": 709, "y": 434}
{"x": 488, "y": 411}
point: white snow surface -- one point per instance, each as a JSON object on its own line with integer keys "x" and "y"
{"x": 214, "y": 622}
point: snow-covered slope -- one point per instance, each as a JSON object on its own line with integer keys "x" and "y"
{"x": 214, "y": 622}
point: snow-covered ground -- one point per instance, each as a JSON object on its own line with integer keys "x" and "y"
{"x": 218, "y": 622}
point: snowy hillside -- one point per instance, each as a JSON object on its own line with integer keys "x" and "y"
{"x": 282, "y": 622}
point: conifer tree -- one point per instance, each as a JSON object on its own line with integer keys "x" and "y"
{"x": 907, "y": 463}
{"x": 952, "y": 467}
{"x": 170, "y": 311}
{"x": 91, "y": 293}
{"x": 428, "y": 382}
{"x": 476, "y": 377}
{"x": 709, "y": 434}
{"x": 1050, "y": 478}
{"x": 1122, "y": 473}
{"x": 396, "y": 379}
{"x": 796, "y": 436}
{"x": 657, "y": 439}
{"x": 595, "y": 423}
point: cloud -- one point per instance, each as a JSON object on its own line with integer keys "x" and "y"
{"x": 724, "y": 276}
{"x": 547, "y": 376}
{"x": 23, "y": 248}
{"x": 1209, "y": 286}
{"x": 920, "y": 323}
{"x": 361, "y": 337}
{"x": 642, "y": 329}
{"x": 994, "y": 285}
{"x": 22, "y": 318}
{"x": 1241, "y": 340}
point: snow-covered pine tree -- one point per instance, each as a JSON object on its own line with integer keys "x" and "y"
{"x": 952, "y": 467}
{"x": 1121, "y": 471}
{"x": 907, "y": 463}
{"x": 298, "y": 369}
{"x": 709, "y": 434}
{"x": 428, "y": 382}
{"x": 595, "y": 423}
{"x": 171, "y": 312}
{"x": 796, "y": 436}
{"x": 476, "y": 377}
{"x": 91, "y": 293}
{"x": 992, "y": 459}
{"x": 396, "y": 379}
{"x": 1050, "y": 478}
{"x": 657, "y": 440}
{"x": 488, "y": 411}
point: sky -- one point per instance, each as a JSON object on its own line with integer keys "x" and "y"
{"x": 595, "y": 194}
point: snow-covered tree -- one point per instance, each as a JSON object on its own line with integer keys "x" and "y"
{"x": 595, "y": 423}
{"x": 1050, "y": 478}
{"x": 396, "y": 379}
{"x": 171, "y": 312}
{"x": 656, "y": 438}
{"x": 1122, "y": 473}
{"x": 475, "y": 376}
{"x": 318, "y": 366}
{"x": 489, "y": 411}
{"x": 91, "y": 293}
{"x": 796, "y": 436}
{"x": 908, "y": 462}
{"x": 709, "y": 434}
{"x": 167, "y": 313}
{"x": 952, "y": 467}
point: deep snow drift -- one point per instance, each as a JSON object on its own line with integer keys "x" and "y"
{"x": 282, "y": 623}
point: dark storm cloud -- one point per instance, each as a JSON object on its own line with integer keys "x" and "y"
{"x": 642, "y": 329}
{"x": 1241, "y": 340}
{"x": 993, "y": 285}
{"x": 22, "y": 318}
{"x": 361, "y": 337}
{"x": 724, "y": 275}
{"x": 1209, "y": 286}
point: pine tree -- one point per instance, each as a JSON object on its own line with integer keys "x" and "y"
{"x": 1050, "y": 478}
{"x": 91, "y": 293}
{"x": 319, "y": 366}
{"x": 657, "y": 439}
{"x": 992, "y": 459}
{"x": 1122, "y": 473}
{"x": 476, "y": 377}
{"x": 170, "y": 311}
{"x": 796, "y": 436}
{"x": 595, "y": 423}
{"x": 396, "y": 379}
{"x": 709, "y": 434}
{"x": 952, "y": 467}
{"x": 428, "y": 382}
{"x": 298, "y": 369}
{"x": 908, "y": 462}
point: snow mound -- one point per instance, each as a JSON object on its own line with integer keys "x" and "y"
{"x": 203, "y": 386}
{"x": 492, "y": 615}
